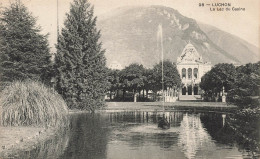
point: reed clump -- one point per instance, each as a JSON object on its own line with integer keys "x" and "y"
{"x": 30, "y": 103}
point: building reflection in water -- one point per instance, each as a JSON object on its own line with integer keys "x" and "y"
{"x": 223, "y": 119}
{"x": 193, "y": 136}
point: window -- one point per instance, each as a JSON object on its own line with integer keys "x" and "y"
{"x": 183, "y": 73}
{"x": 195, "y": 73}
{"x": 189, "y": 73}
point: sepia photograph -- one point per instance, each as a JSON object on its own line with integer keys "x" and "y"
{"x": 129, "y": 79}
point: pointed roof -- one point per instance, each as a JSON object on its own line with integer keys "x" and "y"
{"x": 189, "y": 55}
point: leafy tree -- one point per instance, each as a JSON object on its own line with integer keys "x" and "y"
{"x": 220, "y": 75}
{"x": 149, "y": 80}
{"x": 170, "y": 73}
{"x": 132, "y": 78}
{"x": 80, "y": 62}
{"x": 24, "y": 52}
{"x": 114, "y": 81}
{"x": 240, "y": 83}
{"x": 245, "y": 91}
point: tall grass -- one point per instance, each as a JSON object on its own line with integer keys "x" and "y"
{"x": 30, "y": 103}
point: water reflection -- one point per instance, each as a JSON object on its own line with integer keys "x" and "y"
{"x": 134, "y": 134}
{"x": 193, "y": 137}
{"x": 88, "y": 136}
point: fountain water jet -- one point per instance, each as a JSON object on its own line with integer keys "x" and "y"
{"x": 163, "y": 123}
{"x": 160, "y": 42}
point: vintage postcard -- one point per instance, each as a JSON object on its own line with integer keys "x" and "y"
{"x": 129, "y": 79}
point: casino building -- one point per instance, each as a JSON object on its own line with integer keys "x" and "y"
{"x": 191, "y": 68}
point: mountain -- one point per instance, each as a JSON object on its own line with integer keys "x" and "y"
{"x": 237, "y": 47}
{"x": 129, "y": 35}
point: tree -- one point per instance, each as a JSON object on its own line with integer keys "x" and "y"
{"x": 132, "y": 78}
{"x": 221, "y": 75}
{"x": 245, "y": 90}
{"x": 149, "y": 80}
{"x": 80, "y": 62}
{"x": 114, "y": 81}
{"x": 24, "y": 52}
{"x": 170, "y": 74}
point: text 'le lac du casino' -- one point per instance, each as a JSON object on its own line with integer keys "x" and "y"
{"x": 224, "y": 7}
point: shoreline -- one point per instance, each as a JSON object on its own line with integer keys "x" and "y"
{"x": 176, "y": 106}
{"x": 22, "y": 138}
{"x": 158, "y": 106}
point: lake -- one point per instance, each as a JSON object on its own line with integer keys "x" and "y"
{"x": 135, "y": 135}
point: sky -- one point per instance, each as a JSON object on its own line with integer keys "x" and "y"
{"x": 244, "y": 24}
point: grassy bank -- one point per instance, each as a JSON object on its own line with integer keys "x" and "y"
{"x": 30, "y": 113}
{"x": 31, "y": 104}
{"x": 14, "y": 139}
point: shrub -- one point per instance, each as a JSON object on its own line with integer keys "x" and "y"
{"x": 30, "y": 103}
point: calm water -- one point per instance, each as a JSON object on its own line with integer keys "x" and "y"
{"x": 134, "y": 135}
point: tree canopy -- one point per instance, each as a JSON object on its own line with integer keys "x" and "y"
{"x": 135, "y": 78}
{"x": 245, "y": 90}
{"x": 114, "y": 80}
{"x": 220, "y": 75}
{"x": 24, "y": 52}
{"x": 132, "y": 77}
{"x": 170, "y": 74}
{"x": 241, "y": 83}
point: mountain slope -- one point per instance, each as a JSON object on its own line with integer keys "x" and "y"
{"x": 237, "y": 47}
{"x": 129, "y": 35}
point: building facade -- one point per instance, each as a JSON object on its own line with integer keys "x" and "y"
{"x": 191, "y": 68}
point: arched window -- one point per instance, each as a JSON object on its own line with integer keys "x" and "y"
{"x": 195, "y": 73}
{"x": 183, "y": 73}
{"x": 189, "y": 73}
{"x": 184, "y": 90}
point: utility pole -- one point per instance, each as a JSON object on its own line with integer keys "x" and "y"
{"x": 57, "y": 20}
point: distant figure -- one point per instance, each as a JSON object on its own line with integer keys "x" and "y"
{"x": 163, "y": 123}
